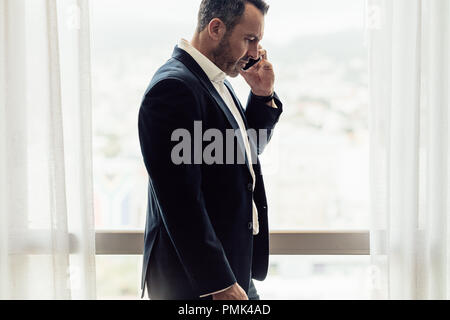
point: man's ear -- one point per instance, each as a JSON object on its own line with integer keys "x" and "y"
{"x": 216, "y": 29}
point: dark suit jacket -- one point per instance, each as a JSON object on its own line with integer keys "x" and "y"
{"x": 198, "y": 234}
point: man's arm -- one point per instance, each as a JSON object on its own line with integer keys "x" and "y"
{"x": 171, "y": 105}
{"x": 262, "y": 115}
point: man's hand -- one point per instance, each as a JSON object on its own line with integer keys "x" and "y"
{"x": 235, "y": 292}
{"x": 261, "y": 77}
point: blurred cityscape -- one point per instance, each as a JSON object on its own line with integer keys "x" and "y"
{"x": 315, "y": 168}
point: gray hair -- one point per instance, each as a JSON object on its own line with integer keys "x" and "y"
{"x": 229, "y": 11}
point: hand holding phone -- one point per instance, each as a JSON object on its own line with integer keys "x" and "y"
{"x": 251, "y": 63}
{"x": 262, "y": 78}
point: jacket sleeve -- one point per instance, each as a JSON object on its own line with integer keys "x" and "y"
{"x": 168, "y": 106}
{"x": 260, "y": 116}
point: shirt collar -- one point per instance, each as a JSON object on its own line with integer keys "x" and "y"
{"x": 212, "y": 71}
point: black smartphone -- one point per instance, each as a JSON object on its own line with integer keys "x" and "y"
{"x": 251, "y": 63}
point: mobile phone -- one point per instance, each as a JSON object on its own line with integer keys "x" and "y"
{"x": 251, "y": 63}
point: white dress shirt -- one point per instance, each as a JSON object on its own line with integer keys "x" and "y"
{"x": 217, "y": 77}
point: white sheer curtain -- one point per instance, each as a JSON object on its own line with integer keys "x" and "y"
{"x": 409, "y": 84}
{"x": 47, "y": 237}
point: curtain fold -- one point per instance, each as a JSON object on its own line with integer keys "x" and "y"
{"x": 47, "y": 233}
{"x": 409, "y": 84}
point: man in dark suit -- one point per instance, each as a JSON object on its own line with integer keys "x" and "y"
{"x": 206, "y": 233}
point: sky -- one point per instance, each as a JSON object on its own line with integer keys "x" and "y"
{"x": 285, "y": 20}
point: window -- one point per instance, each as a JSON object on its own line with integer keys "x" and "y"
{"x": 289, "y": 278}
{"x": 316, "y": 167}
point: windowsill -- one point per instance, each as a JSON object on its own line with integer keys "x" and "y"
{"x": 310, "y": 242}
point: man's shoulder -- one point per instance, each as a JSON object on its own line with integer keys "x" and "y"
{"x": 174, "y": 71}
{"x": 171, "y": 82}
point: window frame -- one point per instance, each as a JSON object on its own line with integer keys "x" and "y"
{"x": 296, "y": 242}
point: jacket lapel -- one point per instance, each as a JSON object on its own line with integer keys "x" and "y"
{"x": 192, "y": 65}
{"x": 241, "y": 110}
{"x": 236, "y": 102}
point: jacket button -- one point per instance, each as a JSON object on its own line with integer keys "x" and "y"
{"x": 250, "y": 225}
{"x": 250, "y": 187}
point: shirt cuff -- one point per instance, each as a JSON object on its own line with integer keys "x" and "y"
{"x": 208, "y": 294}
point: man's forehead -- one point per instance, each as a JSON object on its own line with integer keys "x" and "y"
{"x": 252, "y": 22}
{"x": 257, "y": 33}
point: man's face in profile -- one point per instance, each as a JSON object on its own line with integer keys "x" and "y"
{"x": 238, "y": 46}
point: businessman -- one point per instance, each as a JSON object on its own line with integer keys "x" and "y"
{"x": 206, "y": 234}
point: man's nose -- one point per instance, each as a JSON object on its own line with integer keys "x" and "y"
{"x": 253, "y": 52}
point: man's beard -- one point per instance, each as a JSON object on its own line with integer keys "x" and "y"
{"x": 224, "y": 60}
